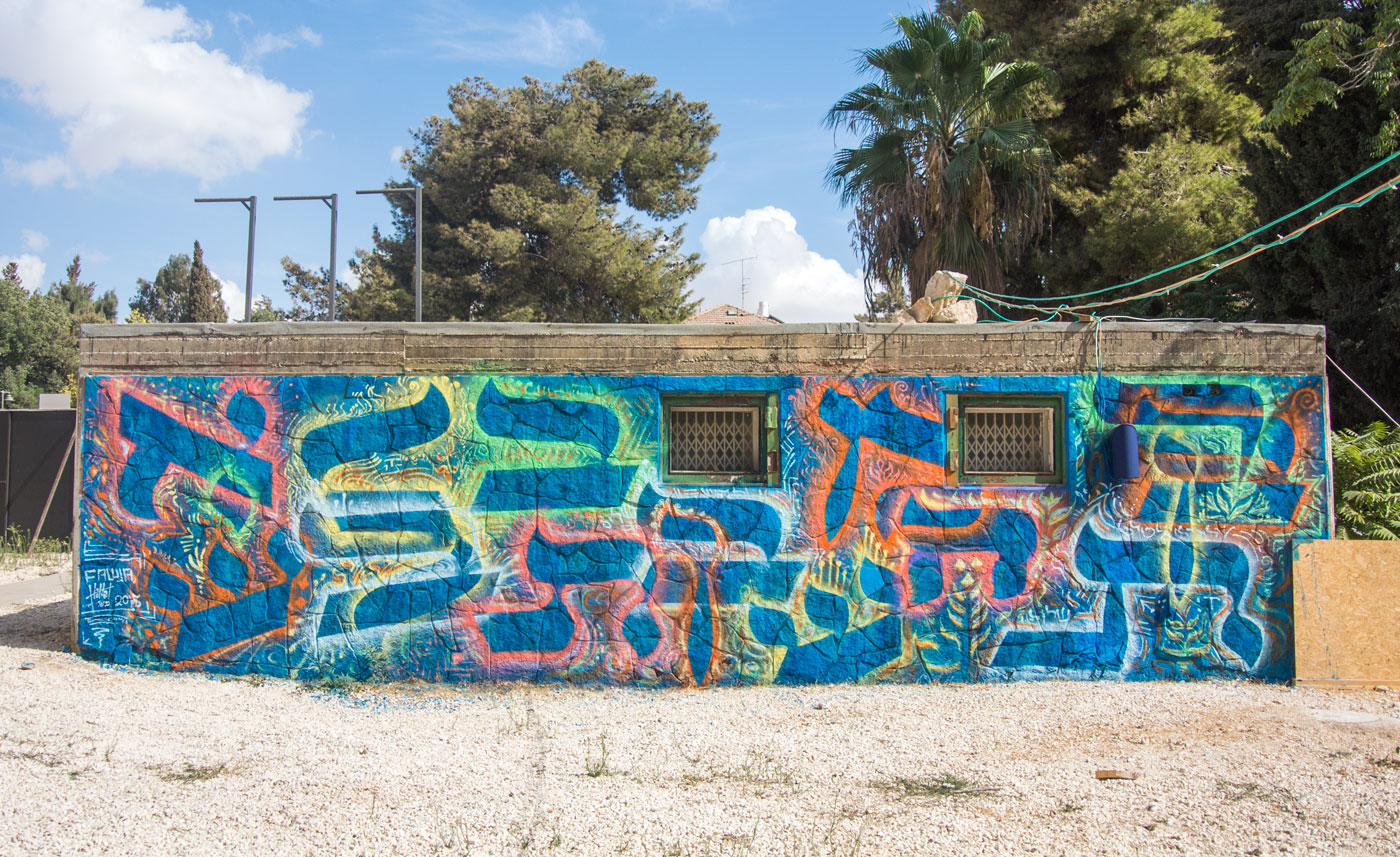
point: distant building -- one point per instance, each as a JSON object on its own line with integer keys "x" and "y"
{"x": 730, "y": 314}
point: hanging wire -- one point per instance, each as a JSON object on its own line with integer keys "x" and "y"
{"x": 1362, "y": 389}
{"x": 1079, "y": 310}
{"x": 1222, "y": 248}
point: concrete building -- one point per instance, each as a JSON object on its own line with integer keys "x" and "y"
{"x": 699, "y": 504}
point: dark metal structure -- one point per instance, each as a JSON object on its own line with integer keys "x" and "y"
{"x": 36, "y": 466}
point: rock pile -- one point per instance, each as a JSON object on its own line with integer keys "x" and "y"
{"x": 941, "y": 303}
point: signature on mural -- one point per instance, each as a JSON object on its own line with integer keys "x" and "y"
{"x": 492, "y": 527}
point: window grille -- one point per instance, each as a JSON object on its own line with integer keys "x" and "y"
{"x": 1008, "y": 441}
{"x": 715, "y": 440}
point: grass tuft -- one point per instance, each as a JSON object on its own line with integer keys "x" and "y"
{"x": 942, "y": 785}
{"x": 194, "y": 773}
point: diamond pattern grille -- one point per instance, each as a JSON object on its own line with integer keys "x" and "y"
{"x": 1008, "y": 440}
{"x": 714, "y": 440}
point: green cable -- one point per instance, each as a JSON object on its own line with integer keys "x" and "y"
{"x": 1219, "y": 249}
{"x": 1257, "y": 247}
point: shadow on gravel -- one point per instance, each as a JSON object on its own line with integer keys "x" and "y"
{"x": 43, "y": 627}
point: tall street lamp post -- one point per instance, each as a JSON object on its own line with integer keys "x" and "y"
{"x": 417, "y": 192}
{"x": 250, "y": 203}
{"x": 331, "y": 202}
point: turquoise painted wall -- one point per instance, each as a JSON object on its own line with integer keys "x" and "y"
{"x": 499, "y": 527}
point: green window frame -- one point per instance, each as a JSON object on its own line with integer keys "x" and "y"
{"x": 961, "y": 470}
{"x": 679, "y": 413}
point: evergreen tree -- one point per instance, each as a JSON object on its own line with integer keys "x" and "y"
{"x": 77, "y": 296}
{"x": 206, "y": 301}
{"x": 523, "y": 192}
{"x": 311, "y": 300}
{"x": 1341, "y": 273}
{"x": 1150, "y": 132}
{"x": 184, "y": 290}
{"x": 166, "y": 299}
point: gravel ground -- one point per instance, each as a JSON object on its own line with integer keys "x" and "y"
{"x": 98, "y": 760}
{"x": 16, "y": 567}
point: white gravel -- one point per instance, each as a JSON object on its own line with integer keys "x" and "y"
{"x": 17, "y": 567}
{"x": 97, "y": 760}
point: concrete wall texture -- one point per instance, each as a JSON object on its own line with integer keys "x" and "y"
{"x": 486, "y": 525}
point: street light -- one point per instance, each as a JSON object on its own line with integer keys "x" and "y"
{"x": 417, "y": 242}
{"x": 331, "y": 202}
{"x": 250, "y": 203}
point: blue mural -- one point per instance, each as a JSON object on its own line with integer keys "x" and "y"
{"x": 478, "y": 527}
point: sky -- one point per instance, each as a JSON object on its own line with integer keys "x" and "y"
{"x": 116, "y": 114}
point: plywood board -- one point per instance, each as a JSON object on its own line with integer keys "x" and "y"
{"x": 1346, "y": 613}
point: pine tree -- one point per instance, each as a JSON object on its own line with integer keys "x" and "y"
{"x": 522, "y": 195}
{"x": 1150, "y": 134}
{"x": 79, "y": 297}
{"x": 311, "y": 300}
{"x": 1341, "y": 273}
{"x": 206, "y": 302}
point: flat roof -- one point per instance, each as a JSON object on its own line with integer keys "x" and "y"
{"x": 843, "y": 348}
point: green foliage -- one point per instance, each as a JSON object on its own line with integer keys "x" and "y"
{"x": 38, "y": 345}
{"x": 1366, "y": 477}
{"x": 1342, "y": 273}
{"x": 79, "y": 297}
{"x": 1149, "y": 127}
{"x": 165, "y": 299}
{"x": 263, "y": 310}
{"x": 184, "y": 290}
{"x": 206, "y": 302}
{"x": 950, "y": 172}
{"x": 525, "y": 190}
{"x": 1357, "y": 47}
{"x": 311, "y": 299}
{"x": 14, "y": 542}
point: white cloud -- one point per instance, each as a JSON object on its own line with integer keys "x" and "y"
{"x": 34, "y": 241}
{"x": 458, "y": 32}
{"x": 31, "y": 269}
{"x": 135, "y": 89}
{"x": 396, "y": 154}
{"x": 798, "y": 284}
{"x": 267, "y": 43}
{"x": 232, "y": 296}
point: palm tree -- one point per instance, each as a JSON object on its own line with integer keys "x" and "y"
{"x": 950, "y": 173}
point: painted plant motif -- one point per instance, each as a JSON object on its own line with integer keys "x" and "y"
{"x": 485, "y": 527}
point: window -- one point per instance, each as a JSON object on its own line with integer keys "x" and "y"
{"x": 725, "y": 439}
{"x": 1005, "y": 440}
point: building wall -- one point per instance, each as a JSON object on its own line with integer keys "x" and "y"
{"x": 502, "y": 526}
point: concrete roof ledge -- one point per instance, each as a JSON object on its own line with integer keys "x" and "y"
{"x": 836, "y": 348}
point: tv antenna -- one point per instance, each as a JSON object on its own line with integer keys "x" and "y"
{"x": 743, "y": 279}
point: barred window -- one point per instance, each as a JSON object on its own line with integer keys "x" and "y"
{"x": 720, "y": 439}
{"x": 1006, "y": 439}
{"x": 715, "y": 440}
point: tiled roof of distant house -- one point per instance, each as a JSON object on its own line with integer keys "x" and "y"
{"x": 730, "y": 314}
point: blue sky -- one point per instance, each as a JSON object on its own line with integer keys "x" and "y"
{"x": 115, "y": 114}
